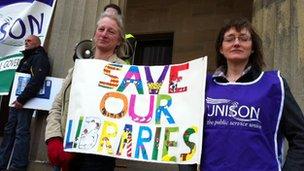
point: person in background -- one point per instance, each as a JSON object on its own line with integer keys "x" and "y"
{"x": 110, "y": 45}
{"x": 249, "y": 111}
{"x": 17, "y": 130}
{"x": 113, "y": 9}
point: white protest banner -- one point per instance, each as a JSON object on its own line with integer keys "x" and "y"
{"x": 46, "y": 96}
{"x": 145, "y": 113}
{"x": 18, "y": 19}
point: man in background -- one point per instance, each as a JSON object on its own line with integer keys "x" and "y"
{"x": 16, "y": 139}
{"x": 113, "y": 9}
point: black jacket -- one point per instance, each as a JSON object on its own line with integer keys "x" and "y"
{"x": 291, "y": 124}
{"x": 36, "y": 63}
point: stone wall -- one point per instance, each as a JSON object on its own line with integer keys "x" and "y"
{"x": 195, "y": 23}
{"x": 281, "y": 26}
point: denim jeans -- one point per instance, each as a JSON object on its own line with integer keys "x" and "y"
{"x": 17, "y": 137}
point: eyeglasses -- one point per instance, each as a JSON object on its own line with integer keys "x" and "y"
{"x": 241, "y": 39}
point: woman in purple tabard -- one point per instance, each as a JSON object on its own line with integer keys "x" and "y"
{"x": 249, "y": 111}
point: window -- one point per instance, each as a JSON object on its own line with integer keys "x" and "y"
{"x": 153, "y": 49}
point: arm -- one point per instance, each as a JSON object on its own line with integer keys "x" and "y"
{"x": 54, "y": 119}
{"x": 292, "y": 126}
{"x": 39, "y": 70}
{"x": 54, "y": 129}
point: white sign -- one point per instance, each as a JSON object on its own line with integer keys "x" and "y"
{"x": 46, "y": 96}
{"x": 145, "y": 113}
{"x": 18, "y": 20}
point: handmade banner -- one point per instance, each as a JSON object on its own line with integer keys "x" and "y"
{"x": 18, "y": 19}
{"x": 146, "y": 113}
{"x": 45, "y": 97}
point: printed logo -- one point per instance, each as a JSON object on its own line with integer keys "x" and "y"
{"x": 13, "y": 31}
{"x": 44, "y": 92}
{"x": 232, "y": 109}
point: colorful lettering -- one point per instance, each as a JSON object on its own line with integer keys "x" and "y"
{"x": 175, "y": 78}
{"x": 156, "y": 143}
{"x": 191, "y": 145}
{"x": 68, "y": 143}
{"x": 78, "y": 130}
{"x": 163, "y": 108}
{"x": 109, "y": 130}
{"x": 126, "y": 139}
{"x": 89, "y": 135}
{"x": 116, "y": 95}
{"x": 154, "y": 87}
{"x": 141, "y": 140}
{"x": 168, "y": 143}
{"x": 137, "y": 118}
{"x": 133, "y": 72}
{"x": 114, "y": 80}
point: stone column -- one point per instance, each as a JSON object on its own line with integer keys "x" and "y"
{"x": 281, "y": 26}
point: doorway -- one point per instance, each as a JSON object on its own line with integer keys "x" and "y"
{"x": 153, "y": 49}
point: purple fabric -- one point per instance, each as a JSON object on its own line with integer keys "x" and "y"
{"x": 241, "y": 123}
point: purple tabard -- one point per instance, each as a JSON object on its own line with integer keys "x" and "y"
{"x": 241, "y": 124}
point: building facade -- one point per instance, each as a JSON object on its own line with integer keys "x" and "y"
{"x": 192, "y": 26}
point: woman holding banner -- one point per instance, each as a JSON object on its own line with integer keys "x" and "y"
{"x": 249, "y": 111}
{"x": 109, "y": 45}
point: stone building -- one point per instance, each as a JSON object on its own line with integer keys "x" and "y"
{"x": 183, "y": 30}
